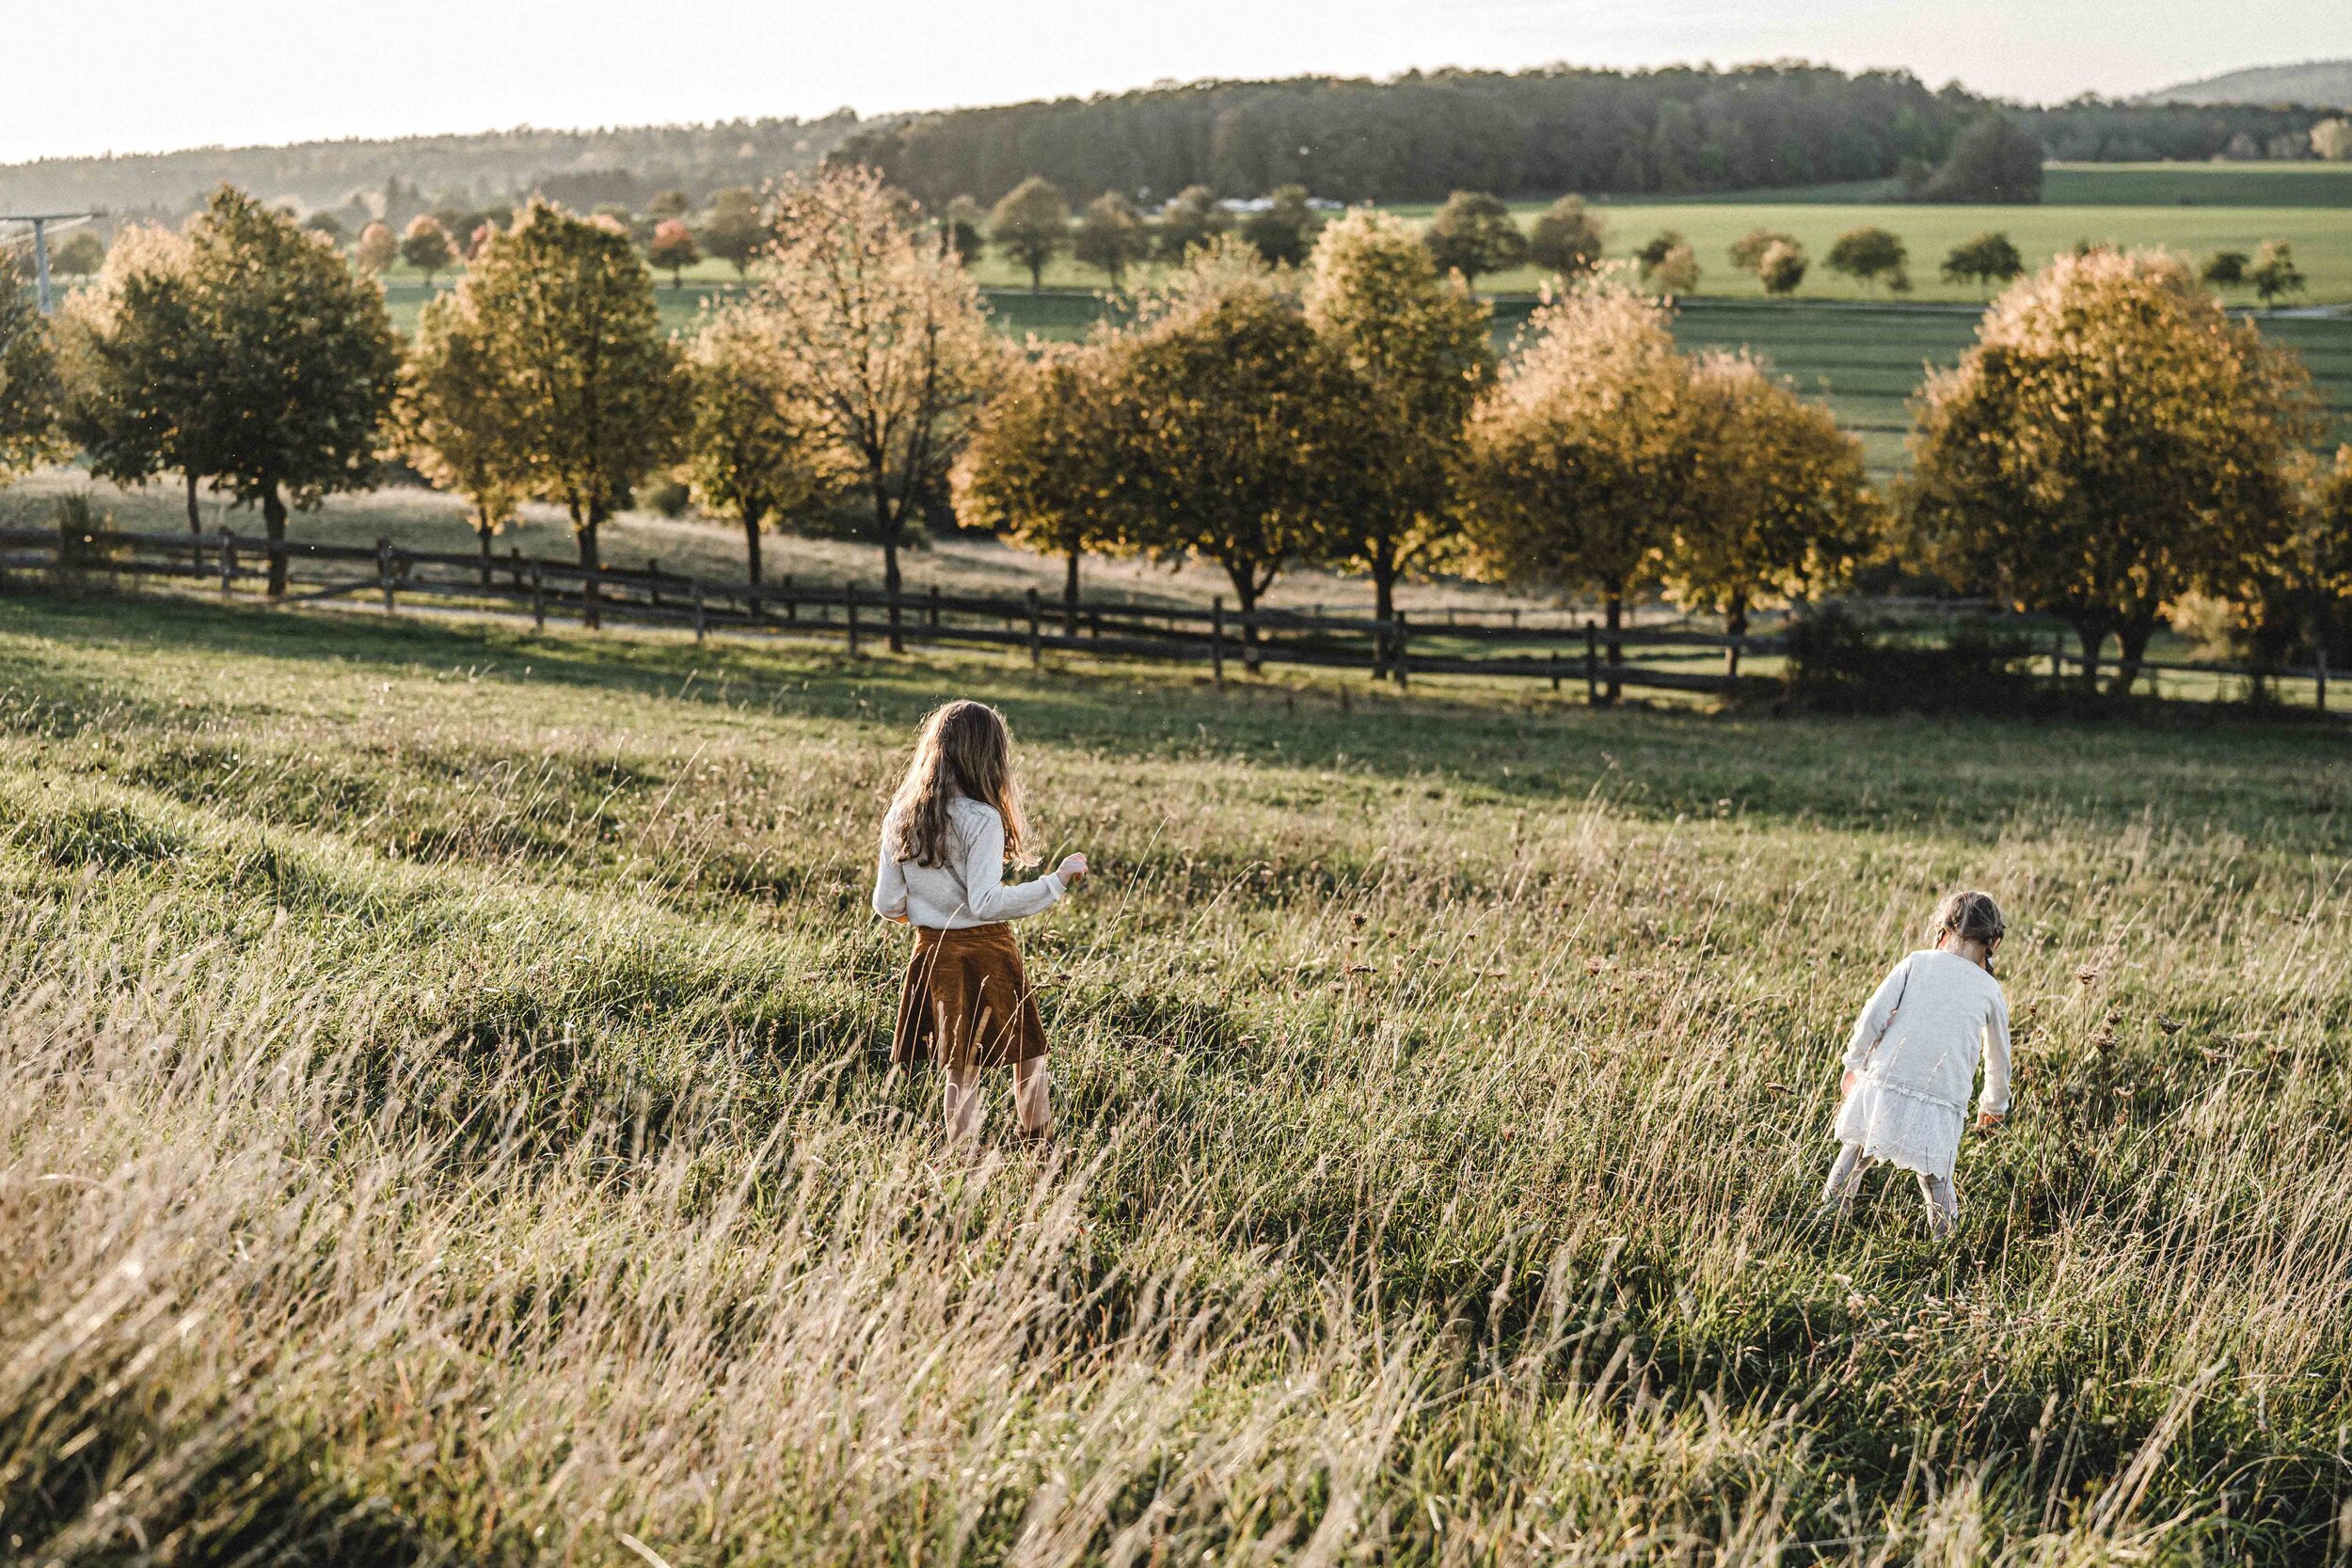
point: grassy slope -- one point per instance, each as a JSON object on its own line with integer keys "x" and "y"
{"x": 450, "y": 1058}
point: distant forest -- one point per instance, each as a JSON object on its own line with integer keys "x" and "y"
{"x": 1414, "y": 137}
{"x": 583, "y": 168}
{"x": 1538, "y": 133}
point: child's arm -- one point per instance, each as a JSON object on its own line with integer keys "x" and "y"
{"x": 984, "y": 890}
{"x": 890, "y": 885}
{"x": 1993, "y": 1104}
{"x": 1877, "y": 1014}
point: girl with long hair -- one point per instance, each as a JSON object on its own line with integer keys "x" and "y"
{"x": 954, "y": 826}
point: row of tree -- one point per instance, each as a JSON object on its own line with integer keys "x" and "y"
{"x": 2113, "y": 446}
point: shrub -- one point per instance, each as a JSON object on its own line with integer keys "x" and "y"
{"x": 664, "y": 495}
{"x": 1840, "y": 664}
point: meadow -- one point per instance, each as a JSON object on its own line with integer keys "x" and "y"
{"x": 448, "y": 1122}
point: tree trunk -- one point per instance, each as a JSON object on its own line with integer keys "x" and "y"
{"x": 1735, "y": 625}
{"x": 886, "y": 529}
{"x": 196, "y": 525}
{"x": 1383, "y": 606}
{"x": 1070, "y": 594}
{"x": 2132, "y": 647}
{"x": 1246, "y": 595}
{"x": 273, "y": 524}
{"x": 2092, "y": 635}
{"x": 1613, "y": 620}
{"x": 1037, "y": 275}
{"x": 584, "y": 531}
{"x": 752, "y": 517}
{"x": 484, "y": 528}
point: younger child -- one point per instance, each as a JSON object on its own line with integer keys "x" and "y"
{"x": 1913, "y": 1057}
{"x": 954, "y": 826}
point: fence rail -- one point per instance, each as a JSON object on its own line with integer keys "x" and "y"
{"x": 1397, "y": 648}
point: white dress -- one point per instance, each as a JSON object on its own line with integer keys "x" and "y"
{"x": 1916, "y": 1049}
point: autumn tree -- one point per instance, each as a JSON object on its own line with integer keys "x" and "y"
{"x": 592, "y": 385}
{"x": 1747, "y": 251}
{"x": 427, "y": 247}
{"x": 1421, "y": 351}
{"x": 1473, "y": 234}
{"x": 1049, "y": 459}
{"x": 1285, "y": 230}
{"x": 1583, "y": 456}
{"x": 1782, "y": 504}
{"x": 1567, "y": 238}
{"x": 1032, "y": 226}
{"x": 1781, "y": 269}
{"x": 735, "y": 231}
{"x": 2111, "y": 442}
{"x": 2273, "y": 273}
{"x": 885, "y": 342}
{"x": 2225, "y": 269}
{"x": 30, "y": 391}
{"x": 137, "y": 373}
{"x": 1870, "y": 254}
{"x": 1242, "y": 448}
{"x": 1191, "y": 221}
{"x": 1983, "y": 258}
{"x": 1111, "y": 236}
{"x": 82, "y": 254}
{"x": 456, "y": 411}
{"x": 755, "y": 451}
{"x": 963, "y": 229}
{"x": 673, "y": 248}
{"x": 1657, "y": 247}
{"x": 377, "y": 250}
{"x": 1677, "y": 272}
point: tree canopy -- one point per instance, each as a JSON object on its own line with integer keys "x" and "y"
{"x": 1111, "y": 236}
{"x": 2110, "y": 442}
{"x": 1870, "y": 254}
{"x": 1994, "y": 160}
{"x": 590, "y": 383}
{"x": 1422, "y": 352}
{"x": 30, "y": 391}
{"x": 1984, "y": 258}
{"x": 1567, "y": 238}
{"x": 754, "y": 451}
{"x": 1032, "y": 226}
{"x": 734, "y": 232}
{"x": 885, "y": 343}
{"x": 1473, "y": 234}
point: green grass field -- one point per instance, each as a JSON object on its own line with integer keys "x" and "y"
{"x": 447, "y": 1122}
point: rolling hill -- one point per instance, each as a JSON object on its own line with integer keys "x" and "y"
{"x": 2322, "y": 84}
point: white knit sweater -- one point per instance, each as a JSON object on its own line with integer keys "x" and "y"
{"x": 1915, "y": 1047}
{"x": 969, "y": 890}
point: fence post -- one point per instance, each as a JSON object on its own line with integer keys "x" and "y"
{"x": 228, "y": 561}
{"x": 2057, "y": 656}
{"x": 1555, "y": 669}
{"x": 653, "y": 581}
{"x": 538, "y": 600}
{"x": 384, "y": 570}
{"x": 849, "y": 599}
{"x": 699, "y": 627}
{"x": 516, "y": 555}
{"x": 2319, "y": 675}
{"x": 1037, "y": 652}
{"x": 931, "y": 610}
{"x": 1399, "y": 664}
{"x": 1217, "y": 640}
{"x": 1592, "y": 663}
{"x": 792, "y": 611}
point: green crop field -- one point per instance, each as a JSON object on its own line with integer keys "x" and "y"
{"x": 447, "y": 1122}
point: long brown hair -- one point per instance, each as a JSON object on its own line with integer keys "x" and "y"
{"x": 1969, "y": 915}
{"x": 963, "y": 748}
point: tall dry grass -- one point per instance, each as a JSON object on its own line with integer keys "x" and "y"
{"x": 439, "y": 1076}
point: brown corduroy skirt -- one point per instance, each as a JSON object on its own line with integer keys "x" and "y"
{"x": 967, "y": 1001}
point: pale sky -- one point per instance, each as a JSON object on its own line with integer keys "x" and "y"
{"x": 144, "y": 75}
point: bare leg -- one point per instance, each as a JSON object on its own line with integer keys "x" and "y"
{"x": 1943, "y": 1205}
{"x": 1845, "y": 1179}
{"x": 963, "y": 1099}
{"x": 1028, "y": 1096}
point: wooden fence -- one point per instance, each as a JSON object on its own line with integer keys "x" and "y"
{"x": 1468, "y": 641}
{"x": 1399, "y": 648}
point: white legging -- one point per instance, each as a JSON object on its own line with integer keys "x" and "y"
{"x": 1029, "y": 1108}
{"x": 1845, "y": 1179}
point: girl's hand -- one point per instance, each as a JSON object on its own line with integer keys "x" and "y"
{"x": 1845, "y": 1084}
{"x": 1072, "y": 870}
{"x": 1987, "y": 1121}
